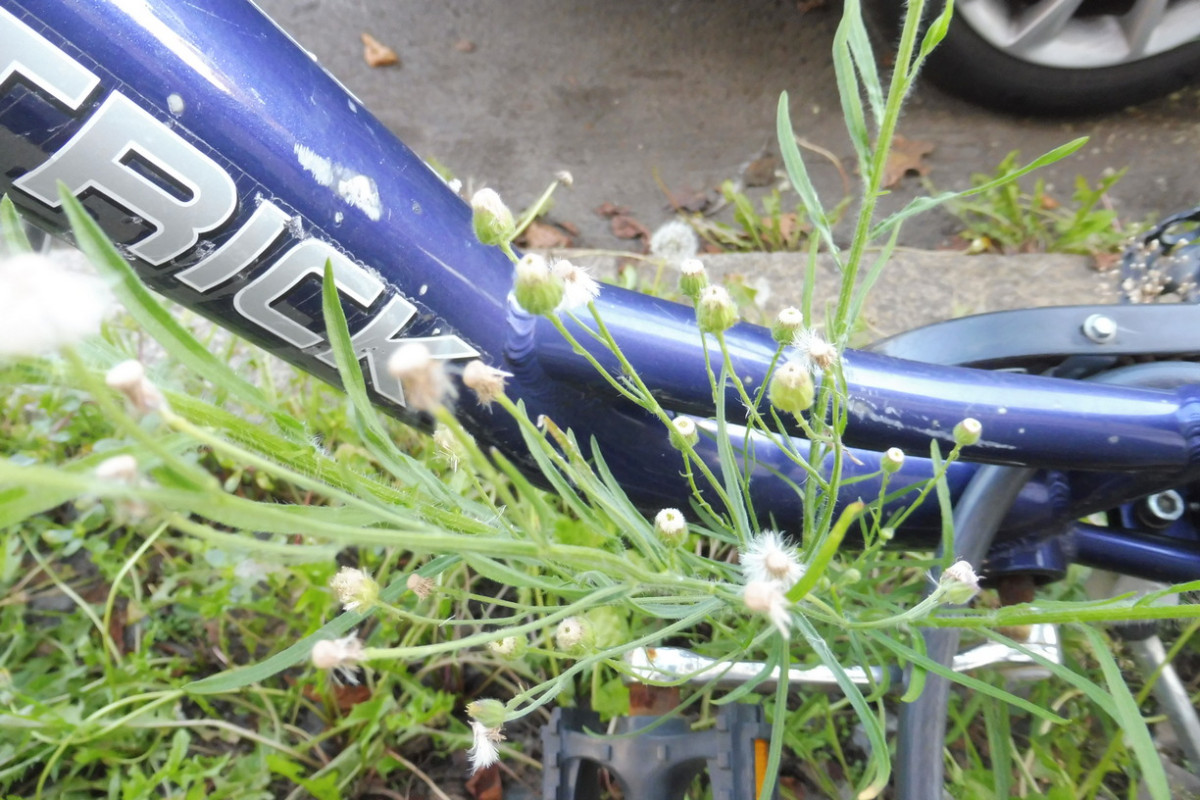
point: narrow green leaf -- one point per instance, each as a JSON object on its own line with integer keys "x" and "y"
{"x": 922, "y": 204}
{"x": 1127, "y": 715}
{"x": 12, "y": 230}
{"x": 798, "y": 173}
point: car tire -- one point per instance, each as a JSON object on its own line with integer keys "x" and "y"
{"x": 970, "y": 64}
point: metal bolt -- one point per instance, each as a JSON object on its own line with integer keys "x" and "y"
{"x": 1100, "y": 328}
{"x": 1166, "y": 506}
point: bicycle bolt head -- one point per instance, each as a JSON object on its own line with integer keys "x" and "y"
{"x": 1100, "y": 328}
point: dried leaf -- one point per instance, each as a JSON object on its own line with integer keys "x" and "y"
{"x": 545, "y": 236}
{"x": 907, "y": 157}
{"x": 609, "y": 210}
{"x": 626, "y": 227}
{"x": 1106, "y": 262}
{"x": 485, "y": 784}
{"x": 377, "y": 54}
{"x": 761, "y": 171}
{"x": 464, "y": 46}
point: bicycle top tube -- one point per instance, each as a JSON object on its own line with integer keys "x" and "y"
{"x": 230, "y": 167}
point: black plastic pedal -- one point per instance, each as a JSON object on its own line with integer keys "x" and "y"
{"x": 655, "y": 764}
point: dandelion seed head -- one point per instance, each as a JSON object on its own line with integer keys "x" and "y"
{"x": 674, "y": 241}
{"x": 46, "y": 306}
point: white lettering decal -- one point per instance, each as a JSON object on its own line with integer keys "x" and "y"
{"x": 31, "y": 56}
{"x": 99, "y": 157}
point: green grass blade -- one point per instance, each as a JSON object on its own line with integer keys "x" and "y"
{"x": 13, "y": 240}
{"x": 922, "y": 204}
{"x": 798, "y": 174}
{"x": 1125, "y": 711}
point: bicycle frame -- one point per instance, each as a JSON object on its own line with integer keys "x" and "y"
{"x": 230, "y": 166}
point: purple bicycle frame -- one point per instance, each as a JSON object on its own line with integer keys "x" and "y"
{"x": 230, "y": 166}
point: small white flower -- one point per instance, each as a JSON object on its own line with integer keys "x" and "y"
{"x": 123, "y": 468}
{"x": 483, "y": 752}
{"x": 959, "y": 583}
{"x": 766, "y": 597}
{"x": 354, "y": 588}
{"x": 486, "y": 382}
{"x": 768, "y": 559}
{"x": 341, "y": 655}
{"x": 573, "y": 633}
{"x": 579, "y": 288}
{"x": 815, "y": 353}
{"x": 45, "y": 306}
{"x": 129, "y": 378}
{"x": 510, "y": 647}
{"x": 674, "y": 241}
{"x": 671, "y": 526}
{"x": 422, "y": 377}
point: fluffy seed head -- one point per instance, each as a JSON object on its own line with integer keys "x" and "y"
{"x": 483, "y": 752}
{"x": 335, "y": 653}
{"x": 486, "y": 382}
{"x": 767, "y": 598}
{"x": 45, "y": 306}
{"x": 674, "y": 242}
{"x": 354, "y": 589}
{"x": 421, "y": 376}
{"x": 579, "y": 287}
{"x": 767, "y": 558}
{"x": 419, "y": 585}
{"x": 787, "y": 325}
{"x": 123, "y": 468}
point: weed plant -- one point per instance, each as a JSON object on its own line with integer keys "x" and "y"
{"x": 1007, "y": 218}
{"x": 173, "y": 531}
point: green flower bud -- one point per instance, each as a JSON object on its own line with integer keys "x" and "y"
{"x": 892, "y": 460}
{"x": 510, "y": 648}
{"x": 850, "y": 577}
{"x": 967, "y": 432}
{"x": 791, "y": 388}
{"x": 574, "y": 635}
{"x": 671, "y": 526}
{"x": 489, "y": 713}
{"x": 609, "y": 627}
{"x": 692, "y": 278}
{"x": 537, "y": 289}
{"x": 683, "y": 433}
{"x": 493, "y": 222}
{"x": 958, "y": 583}
{"x": 715, "y": 311}
{"x": 789, "y": 323}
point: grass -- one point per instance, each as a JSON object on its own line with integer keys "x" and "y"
{"x": 159, "y": 627}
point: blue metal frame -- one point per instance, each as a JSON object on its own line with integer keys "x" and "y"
{"x": 223, "y": 78}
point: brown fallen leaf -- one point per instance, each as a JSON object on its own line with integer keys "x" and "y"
{"x": 545, "y": 236}
{"x": 377, "y": 54}
{"x": 610, "y": 210}
{"x": 485, "y": 784}
{"x": 907, "y": 157}
{"x": 1106, "y": 262}
{"x": 624, "y": 226}
{"x": 761, "y": 171}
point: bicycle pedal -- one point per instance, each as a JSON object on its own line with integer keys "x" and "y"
{"x": 653, "y": 757}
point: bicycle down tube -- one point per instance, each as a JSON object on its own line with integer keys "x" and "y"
{"x": 229, "y": 166}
